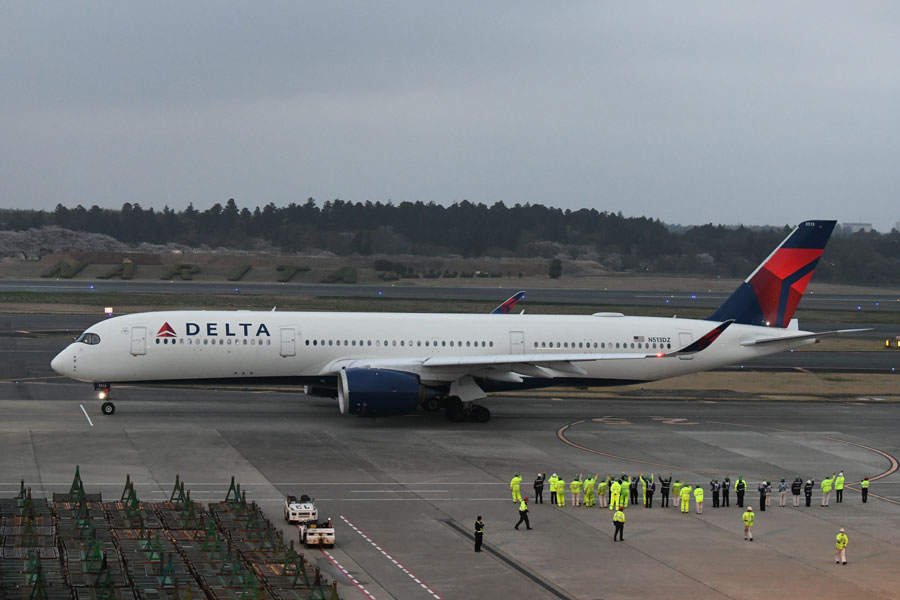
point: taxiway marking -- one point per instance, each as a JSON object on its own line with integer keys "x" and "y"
{"x": 390, "y": 558}
{"x": 347, "y": 573}
{"x": 91, "y": 423}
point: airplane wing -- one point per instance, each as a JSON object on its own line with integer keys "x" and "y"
{"x": 508, "y": 304}
{"x": 802, "y": 336}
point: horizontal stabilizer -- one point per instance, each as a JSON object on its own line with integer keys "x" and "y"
{"x": 803, "y": 336}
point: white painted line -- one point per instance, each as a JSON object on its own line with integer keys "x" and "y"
{"x": 398, "y": 491}
{"x": 391, "y": 558}
{"x": 349, "y": 576}
{"x": 86, "y": 415}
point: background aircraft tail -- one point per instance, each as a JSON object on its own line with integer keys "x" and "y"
{"x": 771, "y": 294}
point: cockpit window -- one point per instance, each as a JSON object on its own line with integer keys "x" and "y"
{"x": 88, "y": 338}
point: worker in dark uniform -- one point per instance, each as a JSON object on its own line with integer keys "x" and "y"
{"x": 864, "y": 488}
{"x": 523, "y": 514}
{"x": 763, "y": 489}
{"x": 539, "y": 488}
{"x": 664, "y": 485}
{"x": 740, "y": 486}
{"x": 796, "y": 488}
{"x": 807, "y": 490}
{"x": 726, "y": 489}
{"x": 479, "y": 533}
{"x": 714, "y": 487}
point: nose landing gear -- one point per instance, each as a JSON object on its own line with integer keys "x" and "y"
{"x": 103, "y": 392}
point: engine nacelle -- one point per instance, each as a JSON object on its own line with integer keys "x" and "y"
{"x": 377, "y": 392}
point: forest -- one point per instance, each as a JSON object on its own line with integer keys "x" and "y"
{"x": 619, "y": 243}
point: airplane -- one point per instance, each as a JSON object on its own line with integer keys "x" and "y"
{"x": 385, "y": 364}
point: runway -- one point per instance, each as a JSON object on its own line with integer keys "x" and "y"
{"x": 406, "y": 491}
{"x": 886, "y": 301}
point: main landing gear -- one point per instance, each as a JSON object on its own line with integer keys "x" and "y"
{"x": 456, "y": 411}
{"x": 103, "y": 392}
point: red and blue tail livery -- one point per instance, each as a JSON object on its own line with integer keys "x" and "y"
{"x": 771, "y": 294}
{"x": 509, "y": 304}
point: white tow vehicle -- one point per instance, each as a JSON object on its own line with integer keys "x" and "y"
{"x": 313, "y": 533}
{"x": 306, "y": 515}
{"x": 300, "y": 511}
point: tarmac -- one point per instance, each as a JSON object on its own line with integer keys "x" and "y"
{"x": 404, "y": 492}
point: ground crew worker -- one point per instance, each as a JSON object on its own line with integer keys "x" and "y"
{"x": 643, "y": 483}
{"x": 560, "y": 492}
{"x": 575, "y": 488}
{"x": 676, "y": 491}
{"x": 479, "y": 533}
{"x": 748, "y": 518}
{"x": 523, "y": 514}
{"x": 864, "y": 487}
{"x": 698, "y": 499}
{"x": 782, "y": 490}
{"x": 614, "y": 491}
{"x": 726, "y": 490}
{"x": 552, "y": 480}
{"x": 827, "y": 484}
{"x": 588, "y": 487}
{"x": 840, "y": 547}
{"x": 796, "y": 486}
{"x": 625, "y": 492}
{"x": 619, "y": 524}
{"x": 762, "y": 495}
{"x": 685, "y": 499}
{"x": 633, "y": 489}
{"x": 539, "y": 488}
{"x": 768, "y": 493}
{"x": 516, "y": 487}
{"x": 651, "y": 489}
{"x": 839, "y": 488}
{"x": 664, "y": 485}
{"x": 714, "y": 487}
{"x": 602, "y": 491}
{"x": 807, "y": 491}
{"x": 740, "y": 486}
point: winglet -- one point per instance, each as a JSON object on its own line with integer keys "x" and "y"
{"x": 508, "y": 305}
{"x": 704, "y": 342}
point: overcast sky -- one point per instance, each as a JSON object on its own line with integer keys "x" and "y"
{"x": 690, "y": 112}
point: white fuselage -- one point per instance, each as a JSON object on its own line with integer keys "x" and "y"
{"x": 221, "y": 345}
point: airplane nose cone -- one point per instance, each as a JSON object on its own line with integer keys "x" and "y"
{"x": 57, "y": 363}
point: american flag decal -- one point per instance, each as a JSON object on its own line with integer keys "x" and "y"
{"x": 638, "y": 338}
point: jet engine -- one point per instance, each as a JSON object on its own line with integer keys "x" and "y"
{"x": 378, "y": 392}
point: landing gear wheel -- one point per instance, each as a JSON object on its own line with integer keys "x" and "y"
{"x": 454, "y": 411}
{"x": 479, "y": 414}
{"x": 431, "y": 404}
{"x": 108, "y": 408}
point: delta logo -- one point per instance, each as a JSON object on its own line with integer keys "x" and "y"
{"x": 165, "y": 331}
{"x": 216, "y": 329}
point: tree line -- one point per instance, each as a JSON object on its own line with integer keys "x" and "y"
{"x": 622, "y": 244}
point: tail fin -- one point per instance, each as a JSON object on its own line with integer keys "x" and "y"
{"x": 509, "y": 304}
{"x": 771, "y": 294}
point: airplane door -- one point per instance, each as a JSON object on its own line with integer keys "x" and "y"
{"x": 288, "y": 342}
{"x": 684, "y": 340}
{"x": 138, "y": 340}
{"x": 517, "y": 342}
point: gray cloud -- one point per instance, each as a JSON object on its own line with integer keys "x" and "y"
{"x": 690, "y": 112}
